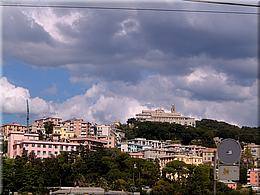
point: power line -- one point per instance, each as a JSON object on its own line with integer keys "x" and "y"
{"x": 224, "y": 3}
{"x": 129, "y": 9}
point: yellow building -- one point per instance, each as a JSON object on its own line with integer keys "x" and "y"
{"x": 63, "y": 132}
{"x": 188, "y": 159}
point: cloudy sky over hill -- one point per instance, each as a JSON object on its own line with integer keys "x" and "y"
{"x": 106, "y": 65}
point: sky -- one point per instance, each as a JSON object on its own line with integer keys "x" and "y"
{"x": 108, "y": 65}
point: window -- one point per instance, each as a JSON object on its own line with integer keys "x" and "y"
{"x": 44, "y": 146}
{"x": 38, "y": 152}
{"x": 39, "y": 145}
{"x": 33, "y": 145}
{"x": 56, "y": 146}
{"x": 50, "y": 146}
{"x": 44, "y": 152}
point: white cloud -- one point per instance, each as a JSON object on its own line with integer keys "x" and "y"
{"x": 128, "y": 26}
{"x": 96, "y": 105}
{"x": 42, "y": 18}
{"x": 107, "y": 102}
{"x": 13, "y": 100}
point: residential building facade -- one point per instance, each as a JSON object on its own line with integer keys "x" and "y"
{"x": 16, "y": 127}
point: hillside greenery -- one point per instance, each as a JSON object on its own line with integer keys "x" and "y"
{"x": 110, "y": 169}
{"x": 202, "y": 134}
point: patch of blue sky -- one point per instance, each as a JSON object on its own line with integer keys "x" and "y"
{"x": 40, "y": 79}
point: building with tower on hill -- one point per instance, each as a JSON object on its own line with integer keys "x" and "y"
{"x": 159, "y": 115}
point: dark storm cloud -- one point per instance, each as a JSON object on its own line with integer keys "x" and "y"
{"x": 129, "y": 46}
{"x": 177, "y": 36}
{"x": 18, "y": 28}
{"x": 174, "y": 34}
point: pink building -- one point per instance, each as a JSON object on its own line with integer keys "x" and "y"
{"x": 254, "y": 177}
{"x": 18, "y": 142}
{"x": 77, "y": 126}
{"x": 110, "y": 140}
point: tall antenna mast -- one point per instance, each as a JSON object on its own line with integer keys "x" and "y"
{"x": 27, "y": 116}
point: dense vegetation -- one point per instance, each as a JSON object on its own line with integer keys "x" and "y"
{"x": 107, "y": 168}
{"x": 110, "y": 169}
{"x": 202, "y": 134}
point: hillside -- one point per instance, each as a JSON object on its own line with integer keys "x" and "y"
{"x": 202, "y": 134}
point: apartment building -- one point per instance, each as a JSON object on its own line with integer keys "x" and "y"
{"x": 18, "y": 142}
{"x": 29, "y": 142}
{"x": 159, "y": 115}
{"x": 185, "y": 149}
{"x": 154, "y": 153}
{"x": 146, "y": 143}
{"x": 7, "y": 128}
{"x": 63, "y": 133}
{"x": 77, "y": 126}
{"x": 188, "y": 159}
{"x": 255, "y": 151}
{"x": 253, "y": 178}
{"x": 98, "y": 130}
{"x": 91, "y": 142}
{"x": 208, "y": 155}
{"x": 130, "y": 147}
{"x": 39, "y": 123}
{"x": 136, "y": 154}
{"x": 110, "y": 140}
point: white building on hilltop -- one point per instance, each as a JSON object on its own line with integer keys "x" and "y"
{"x": 160, "y": 115}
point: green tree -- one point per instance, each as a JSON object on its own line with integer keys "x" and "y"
{"x": 199, "y": 181}
{"x": 48, "y": 126}
{"x": 162, "y": 187}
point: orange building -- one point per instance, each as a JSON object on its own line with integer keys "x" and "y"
{"x": 254, "y": 177}
{"x": 14, "y": 127}
{"x": 77, "y": 126}
{"x": 39, "y": 123}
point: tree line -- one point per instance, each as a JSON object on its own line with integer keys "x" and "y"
{"x": 202, "y": 134}
{"x": 106, "y": 168}
{"x": 110, "y": 169}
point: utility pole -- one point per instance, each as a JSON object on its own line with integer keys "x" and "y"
{"x": 215, "y": 174}
{"x": 27, "y": 116}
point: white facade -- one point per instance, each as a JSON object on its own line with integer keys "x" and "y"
{"x": 146, "y": 143}
{"x": 101, "y": 130}
{"x": 160, "y": 115}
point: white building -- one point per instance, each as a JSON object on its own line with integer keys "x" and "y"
{"x": 146, "y": 143}
{"x": 100, "y": 130}
{"x": 160, "y": 115}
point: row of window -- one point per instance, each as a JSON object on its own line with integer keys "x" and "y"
{"x": 45, "y": 153}
{"x": 51, "y": 146}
